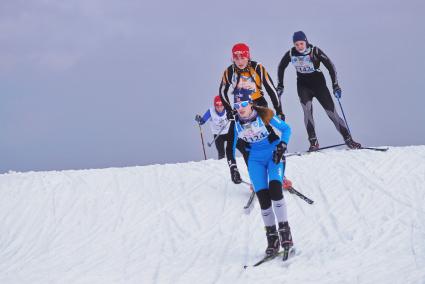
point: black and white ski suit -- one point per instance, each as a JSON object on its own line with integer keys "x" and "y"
{"x": 311, "y": 83}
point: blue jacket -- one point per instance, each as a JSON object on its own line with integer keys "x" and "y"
{"x": 260, "y": 139}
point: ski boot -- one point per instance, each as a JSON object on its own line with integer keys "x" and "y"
{"x": 285, "y": 235}
{"x": 314, "y": 144}
{"x": 272, "y": 241}
{"x": 351, "y": 143}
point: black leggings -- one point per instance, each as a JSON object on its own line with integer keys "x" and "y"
{"x": 321, "y": 93}
{"x": 274, "y": 192}
{"x": 219, "y": 144}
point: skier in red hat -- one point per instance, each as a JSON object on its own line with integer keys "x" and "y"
{"x": 247, "y": 74}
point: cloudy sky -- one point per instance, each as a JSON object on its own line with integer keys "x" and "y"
{"x": 101, "y": 83}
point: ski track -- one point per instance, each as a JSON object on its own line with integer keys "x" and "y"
{"x": 184, "y": 223}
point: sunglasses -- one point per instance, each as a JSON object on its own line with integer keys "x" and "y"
{"x": 241, "y": 104}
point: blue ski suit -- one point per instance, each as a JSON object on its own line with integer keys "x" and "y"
{"x": 261, "y": 141}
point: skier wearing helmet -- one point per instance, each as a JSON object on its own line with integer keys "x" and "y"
{"x": 247, "y": 74}
{"x": 311, "y": 83}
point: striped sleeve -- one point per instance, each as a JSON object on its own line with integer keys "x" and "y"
{"x": 224, "y": 88}
{"x": 271, "y": 89}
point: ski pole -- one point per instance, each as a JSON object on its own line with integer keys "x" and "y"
{"x": 202, "y": 140}
{"x": 343, "y": 114}
{"x": 219, "y": 132}
{"x": 300, "y": 195}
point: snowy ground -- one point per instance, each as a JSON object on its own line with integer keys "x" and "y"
{"x": 184, "y": 223}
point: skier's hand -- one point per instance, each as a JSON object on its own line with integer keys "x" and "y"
{"x": 279, "y": 91}
{"x": 337, "y": 91}
{"x": 278, "y": 152}
{"x": 234, "y": 173}
{"x": 199, "y": 119}
{"x": 280, "y": 114}
{"x": 230, "y": 114}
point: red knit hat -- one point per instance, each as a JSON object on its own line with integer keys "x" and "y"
{"x": 240, "y": 50}
{"x": 217, "y": 101}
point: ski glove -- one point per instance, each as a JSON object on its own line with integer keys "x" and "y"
{"x": 234, "y": 173}
{"x": 279, "y": 91}
{"x": 230, "y": 114}
{"x": 280, "y": 114}
{"x": 337, "y": 91}
{"x": 278, "y": 152}
{"x": 199, "y": 119}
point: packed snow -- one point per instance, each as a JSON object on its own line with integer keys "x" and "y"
{"x": 184, "y": 223}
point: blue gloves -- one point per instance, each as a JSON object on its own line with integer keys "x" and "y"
{"x": 337, "y": 91}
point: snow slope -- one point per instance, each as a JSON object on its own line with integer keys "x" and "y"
{"x": 184, "y": 223}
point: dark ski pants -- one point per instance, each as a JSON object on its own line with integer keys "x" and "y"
{"x": 321, "y": 93}
{"x": 219, "y": 144}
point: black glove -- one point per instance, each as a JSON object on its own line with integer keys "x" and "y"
{"x": 337, "y": 91}
{"x": 280, "y": 114}
{"x": 230, "y": 114}
{"x": 199, "y": 119}
{"x": 234, "y": 173}
{"x": 278, "y": 153}
{"x": 279, "y": 91}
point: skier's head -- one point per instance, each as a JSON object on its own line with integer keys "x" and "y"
{"x": 243, "y": 102}
{"x": 218, "y": 104}
{"x": 300, "y": 41}
{"x": 241, "y": 55}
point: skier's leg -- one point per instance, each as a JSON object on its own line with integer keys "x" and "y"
{"x": 325, "y": 99}
{"x": 258, "y": 174}
{"x": 276, "y": 172}
{"x": 305, "y": 95}
{"x": 219, "y": 144}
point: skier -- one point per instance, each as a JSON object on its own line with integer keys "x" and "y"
{"x": 254, "y": 125}
{"x": 244, "y": 73}
{"x": 218, "y": 123}
{"x": 311, "y": 83}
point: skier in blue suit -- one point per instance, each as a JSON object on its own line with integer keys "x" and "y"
{"x": 266, "y": 164}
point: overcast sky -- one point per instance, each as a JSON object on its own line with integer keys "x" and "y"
{"x": 101, "y": 83}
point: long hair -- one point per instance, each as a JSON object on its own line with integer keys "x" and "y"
{"x": 265, "y": 113}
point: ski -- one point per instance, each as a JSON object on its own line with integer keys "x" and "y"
{"x": 317, "y": 150}
{"x": 375, "y": 149}
{"x": 285, "y": 254}
{"x": 300, "y": 195}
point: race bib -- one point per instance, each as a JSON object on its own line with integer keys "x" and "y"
{"x": 303, "y": 64}
{"x": 245, "y": 82}
{"x": 253, "y": 132}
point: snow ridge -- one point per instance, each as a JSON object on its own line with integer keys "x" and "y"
{"x": 184, "y": 223}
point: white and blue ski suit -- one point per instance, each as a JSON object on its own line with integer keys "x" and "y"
{"x": 261, "y": 141}
{"x": 266, "y": 176}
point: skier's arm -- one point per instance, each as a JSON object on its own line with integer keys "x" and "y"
{"x": 207, "y": 115}
{"x": 224, "y": 88}
{"x": 271, "y": 89}
{"x": 283, "y": 127}
{"x": 232, "y": 138}
{"x": 286, "y": 59}
{"x": 328, "y": 64}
